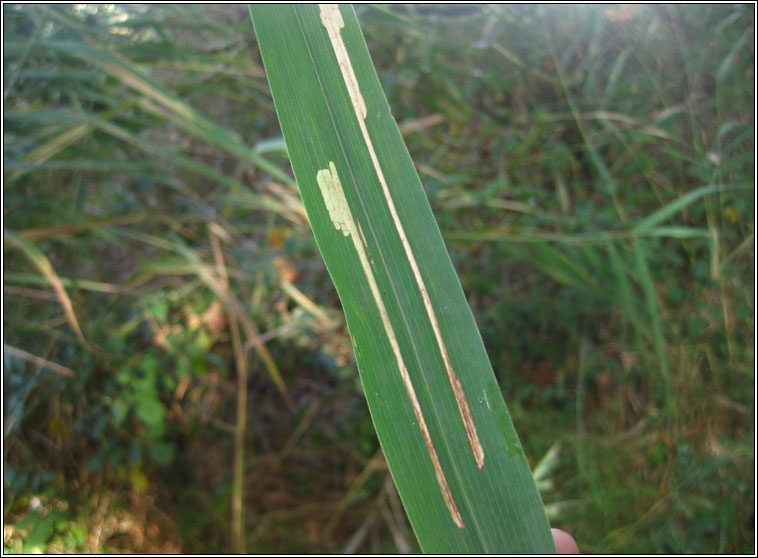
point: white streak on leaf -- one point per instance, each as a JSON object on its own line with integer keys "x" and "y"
{"x": 339, "y": 212}
{"x": 332, "y": 20}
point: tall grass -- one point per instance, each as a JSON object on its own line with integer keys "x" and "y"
{"x": 591, "y": 170}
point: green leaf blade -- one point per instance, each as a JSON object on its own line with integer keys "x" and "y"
{"x": 499, "y": 505}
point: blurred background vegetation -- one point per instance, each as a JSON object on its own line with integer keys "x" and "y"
{"x": 591, "y": 169}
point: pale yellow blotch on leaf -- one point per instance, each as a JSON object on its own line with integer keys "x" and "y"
{"x": 334, "y": 199}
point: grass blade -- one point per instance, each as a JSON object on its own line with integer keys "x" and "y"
{"x": 680, "y": 203}
{"x": 439, "y": 414}
{"x": 162, "y": 102}
{"x": 40, "y": 261}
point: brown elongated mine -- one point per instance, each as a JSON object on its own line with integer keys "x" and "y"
{"x": 342, "y": 219}
{"x": 332, "y": 20}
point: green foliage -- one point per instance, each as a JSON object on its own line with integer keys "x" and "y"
{"x": 591, "y": 169}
